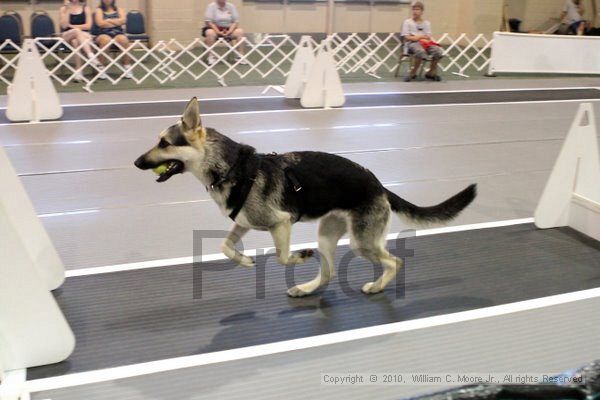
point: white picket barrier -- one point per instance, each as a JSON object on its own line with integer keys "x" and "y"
{"x": 572, "y": 194}
{"x": 33, "y": 330}
{"x": 266, "y": 57}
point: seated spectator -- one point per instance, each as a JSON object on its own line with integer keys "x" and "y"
{"x": 572, "y": 16}
{"x": 110, "y": 20}
{"x": 417, "y": 34}
{"x": 222, "y": 21}
{"x": 75, "y": 24}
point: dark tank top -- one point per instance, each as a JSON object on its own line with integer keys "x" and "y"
{"x": 77, "y": 19}
{"x": 113, "y": 30}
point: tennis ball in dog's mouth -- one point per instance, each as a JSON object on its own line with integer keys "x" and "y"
{"x": 161, "y": 169}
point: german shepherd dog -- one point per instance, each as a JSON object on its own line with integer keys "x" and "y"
{"x": 273, "y": 191}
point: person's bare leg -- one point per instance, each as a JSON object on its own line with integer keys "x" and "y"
{"x": 415, "y": 67}
{"x": 238, "y": 36}
{"x": 102, "y": 41}
{"x": 436, "y": 53}
{"x": 78, "y": 60}
{"x": 70, "y": 37}
{"x": 123, "y": 41}
{"x": 211, "y": 37}
{"x": 85, "y": 38}
{"x": 433, "y": 67}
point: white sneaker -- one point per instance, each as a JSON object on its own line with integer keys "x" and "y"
{"x": 102, "y": 76}
{"x": 128, "y": 74}
{"x": 94, "y": 61}
{"x": 78, "y": 77}
{"x": 212, "y": 59}
{"x": 241, "y": 60}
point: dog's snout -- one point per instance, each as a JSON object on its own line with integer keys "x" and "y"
{"x": 141, "y": 163}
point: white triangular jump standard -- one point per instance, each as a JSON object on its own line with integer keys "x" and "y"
{"x": 33, "y": 329}
{"x": 572, "y": 193}
{"x": 301, "y": 67}
{"x": 32, "y": 96}
{"x": 324, "y": 88}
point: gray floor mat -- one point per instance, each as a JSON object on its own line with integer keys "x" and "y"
{"x": 111, "y": 111}
{"x": 137, "y": 316}
{"x": 547, "y": 340}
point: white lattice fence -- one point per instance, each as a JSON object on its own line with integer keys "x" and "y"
{"x": 270, "y": 55}
{"x": 463, "y": 52}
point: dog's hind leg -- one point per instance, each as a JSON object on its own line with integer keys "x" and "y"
{"x": 228, "y": 246}
{"x": 369, "y": 229}
{"x": 391, "y": 265}
{"x": 281, "y": 234}
{"x": 331, "y": 229}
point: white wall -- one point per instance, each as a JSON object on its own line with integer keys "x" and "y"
{"x": 182, "y": 19}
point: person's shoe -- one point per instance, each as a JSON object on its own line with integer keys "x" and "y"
{"x": 78, "y": 77}
{"x": 410, "y": 78}
{"x": 435, "y": 78}
{"x": 211, "y": 59}
{"x": 102, "y": 75}
{"x": 128, "y": 74}
{"x": 94, "y": 61}
{"x": 241, "y": 60}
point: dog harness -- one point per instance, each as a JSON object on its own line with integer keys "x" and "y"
{"x": 241, "y": 189}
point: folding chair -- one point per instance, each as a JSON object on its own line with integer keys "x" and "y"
{"x": 406, "y": 54}
{"x": 10, "y": 29}
{"x": 135, "y": 27}
{"x": 42, "y": 26}
{"x": 17, "y": 16}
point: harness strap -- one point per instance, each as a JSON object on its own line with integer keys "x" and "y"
{"x": 289, "y": 173}
{"x": 244, "y": 187}
{"x": 291, "y": 177}
{"x": 245, "y": 191}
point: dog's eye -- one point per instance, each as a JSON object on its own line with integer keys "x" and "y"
{"x": 163, "y": 143}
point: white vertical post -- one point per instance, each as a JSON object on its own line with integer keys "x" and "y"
{"x": 33, "y": 330}
{"x": 572, "y": 194}
{"x": 300, "y": 71}
{"x": 32, "y": 96}
{"x": 330, "y": 17}
{"x": 324, "y": 88}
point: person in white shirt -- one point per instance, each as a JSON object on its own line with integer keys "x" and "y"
{"x": 417, "y": 35}
{"x": 572, "y": 15}
{"x": 222, "y": 21}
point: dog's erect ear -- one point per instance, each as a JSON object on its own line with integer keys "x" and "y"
{"x": 191, "y": 115}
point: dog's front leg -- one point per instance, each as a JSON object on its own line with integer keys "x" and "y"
{"x": 228, "y": 246}
{"x": 281, "y": 234}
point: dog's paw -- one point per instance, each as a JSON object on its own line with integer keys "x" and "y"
{"x": 247, "y": 262}
{"x": 296, "y": 292}
{"x": 371, "y": 288}
{"x": 301, "y": 256}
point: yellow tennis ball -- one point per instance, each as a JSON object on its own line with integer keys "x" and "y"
{"x": 161, "y": 169}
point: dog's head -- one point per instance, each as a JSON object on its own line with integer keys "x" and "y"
{"x": 180, "y": 146}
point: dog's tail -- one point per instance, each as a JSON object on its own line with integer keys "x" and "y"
{"x": 442, "y": 212}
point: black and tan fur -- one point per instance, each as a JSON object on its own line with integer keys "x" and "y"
{"x": 298, "y": 186}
